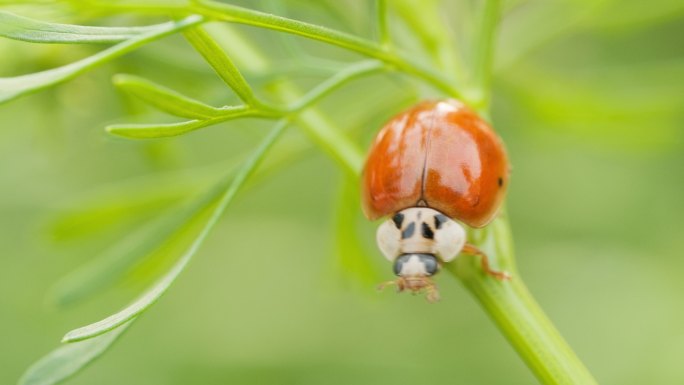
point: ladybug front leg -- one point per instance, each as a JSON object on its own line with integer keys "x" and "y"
{"x": 472, "y": 250}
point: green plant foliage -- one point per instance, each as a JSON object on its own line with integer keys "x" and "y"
{"x": 413, "y": 46}
{"x": 21, "y": 28}
{"x": 212, "y": 206}
{"x": 14, "y": 87}
{"x": 165, "y": 99}
{"x": 67, "y": 360}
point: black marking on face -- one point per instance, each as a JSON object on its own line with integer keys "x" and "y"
{"x": 500, "y": 181}
{"x": 427, "y": 231}
{"x": 440, "y": 219}
{"x": 408, "y": 231}
{"x": 398, "y": 219}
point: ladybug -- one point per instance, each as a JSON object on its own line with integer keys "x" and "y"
{"x": 429, "y": 169}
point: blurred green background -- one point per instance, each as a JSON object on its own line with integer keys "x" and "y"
{"x": 589, "y": 97}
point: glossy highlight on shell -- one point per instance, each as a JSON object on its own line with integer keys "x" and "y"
{"x": 438, "y": 154}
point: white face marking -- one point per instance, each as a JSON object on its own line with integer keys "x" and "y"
{"x": 413, "y": 267}
{"x": 389, "y": 240}
{"x": 449, "y": 240}
{"x": 421, "y": 230}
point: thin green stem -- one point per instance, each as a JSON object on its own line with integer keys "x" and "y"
{"x": 426, "y": 21}
{"x": 239, "y": 15}
{"x": 484, "y": 54}
{"x": 336, "y": 81}
{"x": 382, "y": 23}
{"x": 225, "y": 193}
{"x": 324, "y": 133}
{"x": 14, "y": 87}
{"x": 235, "y": 14}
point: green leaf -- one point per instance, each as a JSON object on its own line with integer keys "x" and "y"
{"x": 22, "y": 28}
{"x": 161, "y": 130}
{"x": 67, "y": 360}
{"x": 14, "y": 87}
{"x": 154, "y": 131}
{"x": 227, "y": 191}
{"x": 107, "y": 268}
{"x": 112, "y": 212}
{"x": 165, "y": 99}
{"x": 221, "y": 63}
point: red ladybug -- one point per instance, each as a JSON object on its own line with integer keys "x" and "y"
{"x": 431, "y": 166}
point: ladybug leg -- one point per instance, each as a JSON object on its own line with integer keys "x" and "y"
{"x": 383, "y": 285}
{"x": 401, "y": 285}
{"x": 472, "y": 250}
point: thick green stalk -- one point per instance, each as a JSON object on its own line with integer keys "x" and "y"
{"x": 511, "y": 306}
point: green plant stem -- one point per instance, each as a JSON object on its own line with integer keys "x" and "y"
{"x": 484, "y": 54}
{"x": 234, "y": 14}
{"x": 425, "y": 18}
{"x": 511, "y": 306}
{"x": 334, "y": 82}
{"x": 318, "y": 127}
{"x": 382, "y": 23}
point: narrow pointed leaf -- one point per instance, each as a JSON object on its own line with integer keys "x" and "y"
{"x": 227, "y": 190}
{"x": 67, "y": 360}
{"x": 221, "y": 63}
{"x": 14, "y": 87}
{"x": 107, "y": 268}
{"x": 165, "y": 99}
{"x": 153, "y": 131}
{"x": 22, "y": 28}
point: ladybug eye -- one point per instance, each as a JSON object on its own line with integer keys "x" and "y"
{"x": 430, "y": 263}
{"x": 415, "y": 265}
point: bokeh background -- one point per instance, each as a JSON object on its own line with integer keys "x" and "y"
{"x": 588, "y": 95}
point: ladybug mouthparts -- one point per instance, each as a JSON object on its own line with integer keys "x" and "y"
{"x": 416, "y": 284}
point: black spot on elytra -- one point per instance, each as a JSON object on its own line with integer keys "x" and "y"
{"x": 426, "y": 231}
{"x": 500, "y": 181}
{"x": 439, "y": 221}
{"x": 398, "y": 219}
{"x": 408, "y": 231}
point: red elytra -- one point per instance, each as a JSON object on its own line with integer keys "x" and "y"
{"x": 438, "y": 154}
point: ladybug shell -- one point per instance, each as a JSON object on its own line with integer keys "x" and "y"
{"x": 439, "y": 154}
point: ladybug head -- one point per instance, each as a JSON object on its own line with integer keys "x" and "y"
{"x": 418, "y": 239}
